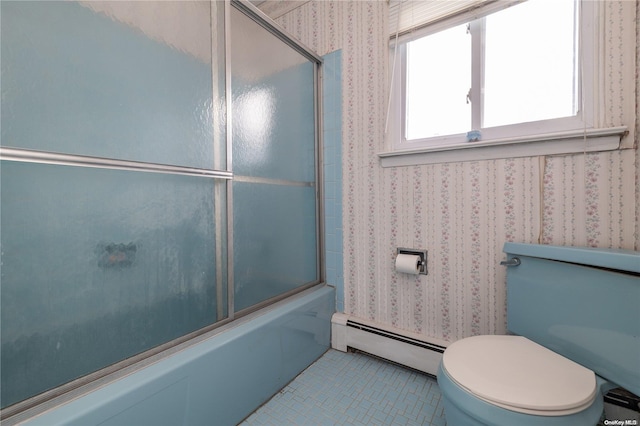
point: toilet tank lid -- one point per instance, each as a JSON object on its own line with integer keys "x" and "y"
{"x": 618, "y": 259}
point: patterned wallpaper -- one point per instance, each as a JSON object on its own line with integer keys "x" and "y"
{"x": 464, "y": 212}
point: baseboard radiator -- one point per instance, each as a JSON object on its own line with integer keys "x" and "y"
{"x": 385, "y": 342}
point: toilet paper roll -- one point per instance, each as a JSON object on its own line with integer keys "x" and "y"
{"x": 408, "y": 263}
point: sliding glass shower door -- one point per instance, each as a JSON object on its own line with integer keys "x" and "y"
{"x": 113, "y": 184}
{"x": 159, "y": 177}
{"x": 274, "y": 163}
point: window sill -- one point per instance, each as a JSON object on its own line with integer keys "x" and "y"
{"x": 571, "y": 142}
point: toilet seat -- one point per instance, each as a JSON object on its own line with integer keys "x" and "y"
{"x": 518, "y": 374}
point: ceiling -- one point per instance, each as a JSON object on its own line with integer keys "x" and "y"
{"x": 276, "y": 8}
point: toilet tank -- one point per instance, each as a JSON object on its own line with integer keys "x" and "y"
{"x": 583, "y": 303}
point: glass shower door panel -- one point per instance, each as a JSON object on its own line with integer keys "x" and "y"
{"x": 274, "y": 240}
{"x": 273, "y": 105}
{"x": 274, "y": 164}
{"x": 123, "y": 80}
{"x": 100, "y": 265}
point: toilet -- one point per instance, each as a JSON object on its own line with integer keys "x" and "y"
{"x": 574, "y": 318}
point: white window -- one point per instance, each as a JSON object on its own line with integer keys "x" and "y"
{"x": 519, "y": 75}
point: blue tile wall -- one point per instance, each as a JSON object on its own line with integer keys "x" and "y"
{"x": 332, "y": 100}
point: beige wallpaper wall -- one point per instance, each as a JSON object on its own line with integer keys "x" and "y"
{"x": 464, "y": 212}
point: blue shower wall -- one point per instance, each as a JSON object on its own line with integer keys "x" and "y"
{"x": 219, "y": 381}
{"x": 332, "y": 105}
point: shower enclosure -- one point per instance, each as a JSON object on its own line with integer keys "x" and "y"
{"x": 159, "y": 178}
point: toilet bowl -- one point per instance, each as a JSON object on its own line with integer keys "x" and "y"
{"x": 552, "y": 372}
{"x": 511, "y": 376}
{"x": 464, "y": 409}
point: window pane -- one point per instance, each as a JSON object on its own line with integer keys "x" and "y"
{"x": 530, "y": 63}
{"x": 100, "y": 265}
{"x": 438, "y": 80}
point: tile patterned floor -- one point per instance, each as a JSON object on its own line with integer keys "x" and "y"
{"x": 353, "y": 389}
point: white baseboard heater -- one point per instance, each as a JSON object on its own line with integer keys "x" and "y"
{"x": 395, "y": 345}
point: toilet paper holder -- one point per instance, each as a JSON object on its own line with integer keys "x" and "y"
{"x": 416, "y": 252}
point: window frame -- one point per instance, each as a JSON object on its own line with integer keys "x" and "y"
{"x": 577, "y": 133}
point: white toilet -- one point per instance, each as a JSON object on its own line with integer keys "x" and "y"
{"x": 575, "y": 316}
